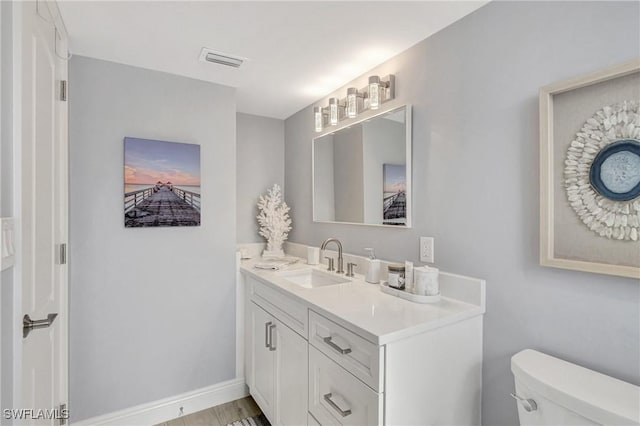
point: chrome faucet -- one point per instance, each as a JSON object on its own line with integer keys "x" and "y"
{"x": 340, "y": 260}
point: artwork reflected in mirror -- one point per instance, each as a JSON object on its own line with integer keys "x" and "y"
{"x": 394, "y": 195}
{"x": 361, "y": 173}
{"x": 161, "y": 183}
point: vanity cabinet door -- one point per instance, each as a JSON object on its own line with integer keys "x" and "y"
{"x": 262, "y": 360}
{"x": 291, "y": 376}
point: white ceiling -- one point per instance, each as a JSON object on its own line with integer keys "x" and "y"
{"x": 297, "y": 52}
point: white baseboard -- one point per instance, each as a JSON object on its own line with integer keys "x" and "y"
{"x": 169, "y": 408}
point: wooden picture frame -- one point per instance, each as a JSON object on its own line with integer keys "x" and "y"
{"x": 550, "y": 173}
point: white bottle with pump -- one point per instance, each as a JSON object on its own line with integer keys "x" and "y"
{"x": 373, "y": 268}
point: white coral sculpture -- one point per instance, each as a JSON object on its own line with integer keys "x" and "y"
{"x": 274, "y": 220}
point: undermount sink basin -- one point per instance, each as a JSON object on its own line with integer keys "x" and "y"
{"x": 312, "y": 278}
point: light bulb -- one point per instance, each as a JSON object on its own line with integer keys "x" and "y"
{"x": 333, "y": 111}
{"x": 374, "y": 92}
{"x": 317, "y": 117}
{"x": 352, "y": 102}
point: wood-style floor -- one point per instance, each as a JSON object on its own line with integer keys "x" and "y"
{"x": 221, "y": 415}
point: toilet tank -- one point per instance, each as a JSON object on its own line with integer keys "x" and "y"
{"x": 567, "y": 394}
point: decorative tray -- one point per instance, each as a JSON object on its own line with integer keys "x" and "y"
{"x": 275, "y": 263}
{"x": 384, "y": 287}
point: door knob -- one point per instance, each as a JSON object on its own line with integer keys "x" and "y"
{"x": 28, "y": 324}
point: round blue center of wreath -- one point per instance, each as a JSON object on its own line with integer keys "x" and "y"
{"x": 615, "y": 172}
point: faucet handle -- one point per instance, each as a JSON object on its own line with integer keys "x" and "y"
{"x": 350, "y": 267}
{"x": 330, "y": 266}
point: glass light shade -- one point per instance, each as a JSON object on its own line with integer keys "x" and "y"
{"x": 352, "y": 102}
{"x": 333, "y": 111}
{"x": 374, "y": 92}
{"x": 317, "y": 117}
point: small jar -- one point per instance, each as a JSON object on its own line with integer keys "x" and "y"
{"x": 396, "y": 276}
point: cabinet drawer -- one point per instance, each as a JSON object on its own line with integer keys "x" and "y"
{"x": 338, "y": 398}
{"x": 360, "y": 357}
{"x": 281, "y": 306}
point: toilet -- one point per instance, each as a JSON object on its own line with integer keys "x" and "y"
{"x": 550, "y": 391}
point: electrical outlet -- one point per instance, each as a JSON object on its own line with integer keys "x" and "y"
{"x": 426, "y": 249}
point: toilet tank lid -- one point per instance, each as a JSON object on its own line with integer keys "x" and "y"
{"x": 593, "y": 395}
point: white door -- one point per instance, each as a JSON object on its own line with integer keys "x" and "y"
{"x": 262, "y": 364}
{"x": 42, "y": 206}
{"x": 291, "y": 376}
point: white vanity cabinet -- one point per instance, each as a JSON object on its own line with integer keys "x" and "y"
{"x": 291, "y": 376}
{"x": 262, "y": 368}
{"x": 356, "y": 356}
{"x": 278, "y": 367}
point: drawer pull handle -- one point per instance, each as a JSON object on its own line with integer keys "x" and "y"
{"x": 329, "y": 342}
{"x": 272, "y": 347}
{"x": 343, "y": 413}
{"x": 267, "y": 334}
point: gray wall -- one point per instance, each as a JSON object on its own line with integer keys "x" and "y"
{"x": 260, "y": 164}
{"x": 324, "y": 197}
{"x": 151, "y": 309}
{"x": 348, "y": 189}
{"x": 474, "y": 90}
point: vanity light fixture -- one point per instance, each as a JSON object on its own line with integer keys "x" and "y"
{"x": 334, "y": 113}
{"x": 318, "y": 117}
{"x": 378, "y": 91}
{"x": 352, "y": 102}
{"x": 374, "y": 92}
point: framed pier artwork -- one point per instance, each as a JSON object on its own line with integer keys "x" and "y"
{"x": 161, "y": 183}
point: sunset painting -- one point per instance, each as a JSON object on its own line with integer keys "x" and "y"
{"x": 161, "y": 183}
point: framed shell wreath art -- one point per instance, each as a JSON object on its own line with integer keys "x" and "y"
{"x": 590, "y": 172}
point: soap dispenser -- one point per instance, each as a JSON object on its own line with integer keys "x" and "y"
{"x": 373, "y": 268}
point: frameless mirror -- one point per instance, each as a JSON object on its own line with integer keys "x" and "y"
{"x": 362, "y": 173}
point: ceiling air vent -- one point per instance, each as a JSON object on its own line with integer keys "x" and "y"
{"x": 209, "y": 55}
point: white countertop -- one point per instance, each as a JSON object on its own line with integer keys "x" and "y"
{"x": 380, "y": 318}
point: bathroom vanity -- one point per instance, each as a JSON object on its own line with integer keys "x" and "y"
{"x": 324, "y": 349}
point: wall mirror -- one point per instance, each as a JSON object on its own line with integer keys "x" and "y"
{"x": 362, "y": 173}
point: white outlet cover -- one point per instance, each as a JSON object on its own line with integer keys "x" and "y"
{"x": 427, "y": 249}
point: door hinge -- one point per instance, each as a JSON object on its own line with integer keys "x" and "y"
{"x": 63, "y": 414}
{"x": 63, "y": 90}
{"x": 63, "y": 254}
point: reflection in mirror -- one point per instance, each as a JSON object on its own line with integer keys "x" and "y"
{"x": 362, "y": 173}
